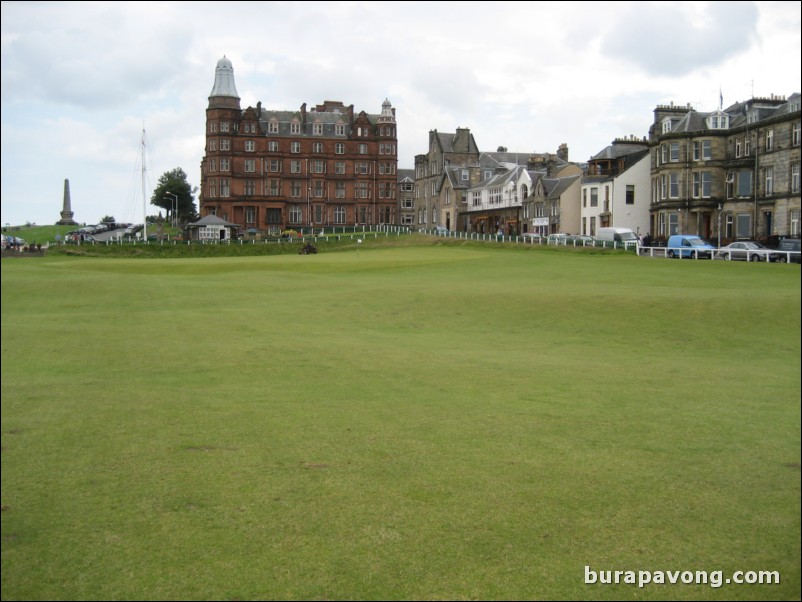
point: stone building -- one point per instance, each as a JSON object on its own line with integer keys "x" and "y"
{"x": 271, "y": 170}
{"x": 727, "y": 174}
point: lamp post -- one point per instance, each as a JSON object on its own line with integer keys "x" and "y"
{"x": 719, "y": 225}
{"x": 175, "y": 204}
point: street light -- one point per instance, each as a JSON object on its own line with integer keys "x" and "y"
{"x": 175, "y": 204}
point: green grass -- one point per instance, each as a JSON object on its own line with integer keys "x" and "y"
{"x": 451, "y": 421}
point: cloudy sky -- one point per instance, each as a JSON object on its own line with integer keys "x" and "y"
{"x": 82, "y": 80}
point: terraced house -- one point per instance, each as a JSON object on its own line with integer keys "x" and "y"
{"x": 271, "y": 170}
{"x": 727, "y": 174}
{"x": 461, "y": 188}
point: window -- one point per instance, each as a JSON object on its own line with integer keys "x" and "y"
{"x": 339, "y": 167}
{"x": 339, "y": 214}
{"x": 361, "y": 168}
{"x": 317, "y": 129}
{"x": 250, "y": 146}
{"x": 296, "y": 214}
{"x": 225, "y": 144}
{"x": 225, "y": 165}
{"x": 212, "y": 145}
{"x": 673, "y": 186}
{"x": 317, "y": 147}
{"x": 387, "y": 149}
{"x": 673, "y": 223}
{"x": 250, "y": 189}
{"x": 362, "y": 190}
{"x": 728, "y": 231}
{"x": 272, "y": 146}
{"x": 272, "y": 127}
{"x": 386, "y": 190}
{"x": 744, "y": 187}
{"x": 295, "y": 128}
{"x": 339, "y": 148}
{"x": 274, "y": 187}
{"x": 273, "y": 216}
{"x": 794, "y": 222}
{"x": 747, "y": 146}
{"x": 743, "y": 225}
{"x": 769, "y": 140}
{"x": 225, "y": 188}
{"x": 318, "y": 166}
{"x": 212, "y": 164}
{"x": 318, "y": 188}
{"x": 674, "y": 152}
{"x": 224, "y": 126}
{"x": 295, "y": 189}
{"x": 594, "y": 197}
{"x": 295, "y": 147}
{"x": 702, "y": 150}
{"x": 213, "y": 127}
{"x": 737, "y": 148}
{"x": 250, "y": 165}
{"x": 664, "y": 153}
{"x": 339, "y": 190}
{"x": 768, "y": 179}
{"x": 795, "y": 134}
{"x": 363, "y": 149}
{"x": 630, "y": 194}
{"x": 275, "y": 165}
{"x": 666, "y": 125}
{"x": 295, "y": 167}
{"x": 795, "y": 178}
{"x": 702, "y": 184}
{"x": 318, "y": 213}
{"x": 339, "y": 130}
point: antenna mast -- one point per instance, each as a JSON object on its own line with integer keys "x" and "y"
{"x": 144, "y": 201}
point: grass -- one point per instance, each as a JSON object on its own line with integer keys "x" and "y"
{"x": 453, "y": 421}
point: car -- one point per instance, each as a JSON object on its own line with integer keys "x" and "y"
{"x": 579, "y": 240}
{"x": 688, "y": 245}
{"x": 441, "y": 230}
{"x": 533, "y": 237}
{"x": 557, "y": 238}
{"x": 791, "y": 247}
{"x": 746, "y": 250}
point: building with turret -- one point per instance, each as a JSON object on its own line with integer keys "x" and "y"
{"x": 273, "y": 170}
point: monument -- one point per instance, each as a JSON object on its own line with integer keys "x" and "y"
{"x": 66, "y": 211}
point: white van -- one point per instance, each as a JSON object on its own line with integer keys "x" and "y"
{"x": 620, "y": 237}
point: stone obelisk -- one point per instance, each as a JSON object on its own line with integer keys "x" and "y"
{"x": 66, "y": 212}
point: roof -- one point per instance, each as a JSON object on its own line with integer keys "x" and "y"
{"x": 212, "y": 220}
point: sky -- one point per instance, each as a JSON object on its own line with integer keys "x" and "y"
{"x": 84, "y": 82}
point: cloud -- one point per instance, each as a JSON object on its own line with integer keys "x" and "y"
{"x": 679, "y": 38}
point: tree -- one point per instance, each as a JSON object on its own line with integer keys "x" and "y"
{"x": 173, "y": 189}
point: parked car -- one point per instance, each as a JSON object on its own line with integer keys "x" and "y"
{"x": 688, "y": 245}
{"x": 579, "y": 240}
{"x": 746, "y": 250}
{"x": 533, "y": 237}
{"x": 441, "y": 230}
{"x": 556, "y": 239}
{"x": 792, "y": 246}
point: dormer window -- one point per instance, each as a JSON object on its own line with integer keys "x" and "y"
{"x": 718, "y": 121}
{"x": 667, "y": 125}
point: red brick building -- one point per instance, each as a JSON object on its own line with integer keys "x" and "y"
{"x": 272, "y": 170}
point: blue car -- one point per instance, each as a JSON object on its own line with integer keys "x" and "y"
{"x": 688, "y": 246}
